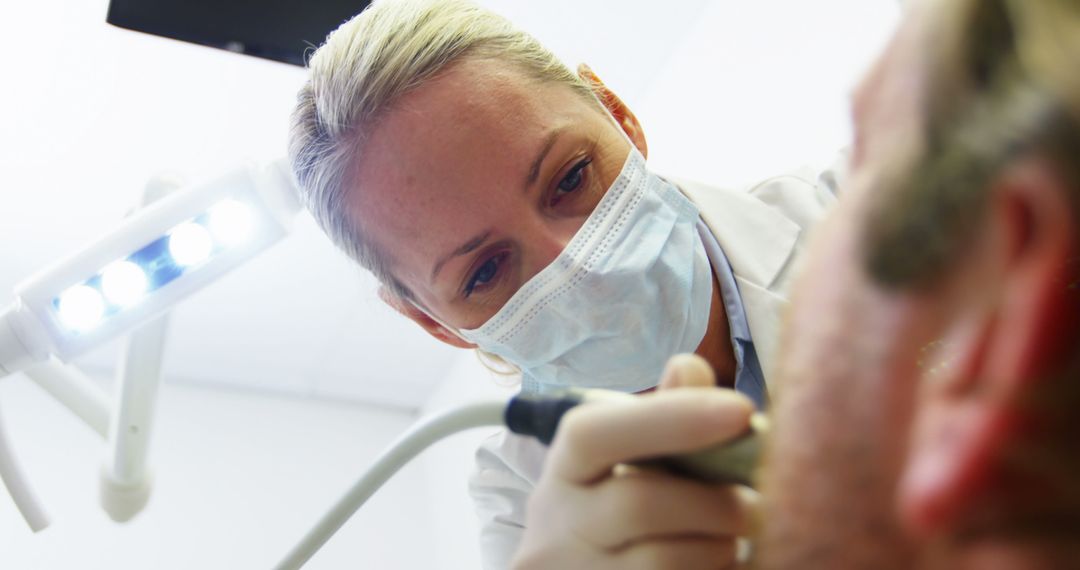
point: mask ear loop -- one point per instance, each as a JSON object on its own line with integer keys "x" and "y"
{"x": 452, "y": 330}
{"x": 493, "y": 362}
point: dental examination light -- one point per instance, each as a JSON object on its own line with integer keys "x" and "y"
{"x": 154, "y": 259}
{"x": 182, "y": 239}
{"x": 534, "y": 415}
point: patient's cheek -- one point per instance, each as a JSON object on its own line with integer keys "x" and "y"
{"x": 840, "y": 419}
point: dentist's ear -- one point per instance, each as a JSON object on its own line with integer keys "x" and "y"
{"x": 1006, "y": 345}
{"x": 433, "y": 327}
{"x": 622, "y": 114}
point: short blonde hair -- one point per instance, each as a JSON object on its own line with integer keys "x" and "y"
{"x": 367, "y": 64}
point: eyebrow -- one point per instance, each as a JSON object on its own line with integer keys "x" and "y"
{"x": 468, "y": 247}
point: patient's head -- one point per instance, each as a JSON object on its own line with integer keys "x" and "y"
{"x": 931, "y": 375}
{"x": 452, "y": 154}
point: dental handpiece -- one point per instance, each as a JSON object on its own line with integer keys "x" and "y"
{"x": 733, "y": 461}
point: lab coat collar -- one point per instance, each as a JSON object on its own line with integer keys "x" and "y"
{"x": 757, "y": 239}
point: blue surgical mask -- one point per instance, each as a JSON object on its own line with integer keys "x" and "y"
{"x": 632, "y": 288}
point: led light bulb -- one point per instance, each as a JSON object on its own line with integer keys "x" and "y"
{"x": 81, "y": 307}
{"x": 123, "y": 283}
{"x": 230, "y": 222}
{"x": 190, "y": 244}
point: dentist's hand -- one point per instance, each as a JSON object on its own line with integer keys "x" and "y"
{"x": 589, "y": 510}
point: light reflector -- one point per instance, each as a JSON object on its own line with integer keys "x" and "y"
{"x": 231, "y": 222}
{"x": 179, "y": 242}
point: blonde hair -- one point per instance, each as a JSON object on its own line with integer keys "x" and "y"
{"x": 367, "y": 64}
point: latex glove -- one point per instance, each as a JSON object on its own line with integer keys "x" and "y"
{"x": 589, "y": 510}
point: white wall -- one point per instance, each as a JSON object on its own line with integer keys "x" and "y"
{"x": 240, "y": 478}
{"x": 759, "y": 87}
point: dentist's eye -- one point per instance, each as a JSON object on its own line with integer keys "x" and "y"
{"x": 484, "y": 275}
{"x": 572, "y": 181}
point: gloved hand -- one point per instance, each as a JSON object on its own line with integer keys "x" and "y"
{"x": 591, "y": 511}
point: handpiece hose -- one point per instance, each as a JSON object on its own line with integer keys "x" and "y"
{"x": 526, "y": 414}
{"x": 403, "y": 450}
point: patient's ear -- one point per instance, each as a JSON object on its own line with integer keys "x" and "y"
{"x": 1011, "y": 324}
{"x": 433, "y": 327}
{"x": 619, "y": 110}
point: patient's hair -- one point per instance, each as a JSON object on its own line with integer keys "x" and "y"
{"x": 367, "y": 64}
{"x": 1004, "y": 83}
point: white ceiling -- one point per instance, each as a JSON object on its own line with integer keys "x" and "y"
{"x": 90, "y": 112}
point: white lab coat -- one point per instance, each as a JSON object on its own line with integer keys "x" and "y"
{"x": 762, "y": 230}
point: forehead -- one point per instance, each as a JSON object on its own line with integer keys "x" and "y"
{"x": 887, "y": 112}
{"x": 482, "y": 101}
{"x": 892, "y": 87}
{"x": 449, "y": 153}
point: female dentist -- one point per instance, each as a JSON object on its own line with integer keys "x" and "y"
{"x": 505, "y": 204}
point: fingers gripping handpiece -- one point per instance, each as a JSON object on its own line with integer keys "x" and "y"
{"x": 733, "y": 461}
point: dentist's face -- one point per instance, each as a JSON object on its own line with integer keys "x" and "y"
{"x": 474, "y": 182}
